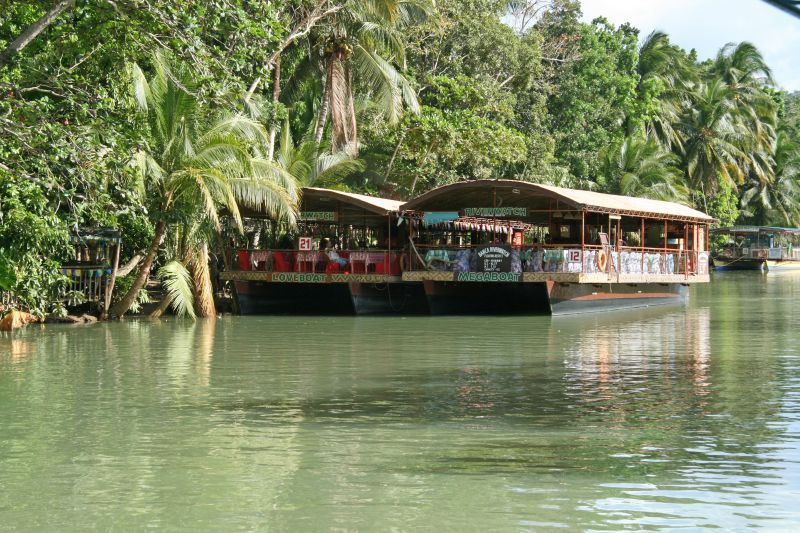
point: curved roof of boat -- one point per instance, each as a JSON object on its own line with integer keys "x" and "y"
{"x": 756, "y": 229}
{"x": 461, "y": 192}
{"x": 374, "y": 204}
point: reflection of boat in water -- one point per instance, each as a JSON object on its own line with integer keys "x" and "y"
{"x": 757, "y": 248}
{"x": 604, "y": 351}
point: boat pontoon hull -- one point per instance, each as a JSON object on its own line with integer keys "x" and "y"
{"x": 339, "y": 298}
{"x": 743, "y": 263}
{"x": 548, "y": 297}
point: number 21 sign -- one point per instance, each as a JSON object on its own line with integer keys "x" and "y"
{"x": 305, "y": 243}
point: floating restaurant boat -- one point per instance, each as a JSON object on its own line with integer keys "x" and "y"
{"x": 757, "y": 248}
{"x": 361, "y": 274}
{"x": 485, "y": 246}
{"x": 500, "y": 246}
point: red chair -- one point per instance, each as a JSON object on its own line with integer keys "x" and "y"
{"x": 332, "y": 267}
{"x": 393, "y": 266}
{"x": 358, "y": 267}
{"x": 244, "y": 260}
{"x": 282, "y": 263}
{"x": 321, "y": 265}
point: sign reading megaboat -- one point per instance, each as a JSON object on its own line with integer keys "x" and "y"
{"x": 494, "y": 258}
{"x": 321, "y": 216}
{"x": 495, "y": 211}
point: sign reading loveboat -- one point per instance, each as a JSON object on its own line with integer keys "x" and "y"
{"x": 494, "y": 258}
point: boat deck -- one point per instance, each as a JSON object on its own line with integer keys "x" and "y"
{"x": 305, "y": 277}
{"x": 557, "y": 277}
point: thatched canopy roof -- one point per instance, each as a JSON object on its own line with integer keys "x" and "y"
{"x": 538, "y": 197}
{"x": 346, "y": 207}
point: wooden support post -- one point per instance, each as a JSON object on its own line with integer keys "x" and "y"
{"x": 686, "y": 250}
{"x": 494, "y": 217}
{"x": 583, "y": 238}
{"x": 641, "y": 239}
{"x": 387, "y": 257}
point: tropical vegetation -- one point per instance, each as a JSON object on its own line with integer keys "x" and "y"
{"x": 167, "y": 119}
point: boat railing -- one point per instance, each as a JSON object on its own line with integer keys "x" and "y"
{"x": 761, "y": 252}
{"x": 591, "y": 259}
{"x": 368, "y": 261}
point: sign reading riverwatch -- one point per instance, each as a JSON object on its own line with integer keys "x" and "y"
{"x": 323, "y": 216}
{"x": 495, "y": 211}
{"x": 494, "y": 258}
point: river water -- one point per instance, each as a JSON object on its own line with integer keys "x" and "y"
{"x": 656, "y": 419}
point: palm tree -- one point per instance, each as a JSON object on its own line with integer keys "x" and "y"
{"x": 193, "y": 165}
{"x": 746, "y": 74}
{"x": 185, "y": 276}
{"x": 312, "y": 164}
{"x": 665, "y": 73}
{"x": 776, "y": 201}
{"x": 641, "y": 167}
{"x": 712, "y": 151}
{"x": 360, "y": 46}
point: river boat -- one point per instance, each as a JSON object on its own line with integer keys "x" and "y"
{"x": 360, "y": 275}
{"x": 483, "y": 246}
{"x": 505, "y": 246}
{"x": 763, "y": 248}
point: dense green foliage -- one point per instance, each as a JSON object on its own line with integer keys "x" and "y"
{"x": 382, "y": 96}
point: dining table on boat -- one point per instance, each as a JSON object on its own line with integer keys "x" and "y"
{"x": 305, "y": 261}
{"x": 259, "y": 259}
{"x": 368, "y": 259}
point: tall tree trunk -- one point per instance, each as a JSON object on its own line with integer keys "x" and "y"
{"x": 163, "y": 305}
{"x": 341, "y": 98}
{"x": 276, "y": 94}
{"x": 350, "y": 117}
{"x": 203, "y": 290}
{"x": 128, "y": 267}
{"x": 111, "y": 282}
{"x": 705, "y": 200}
{"x": 121, "y": 307}
{"x": 33, "y": 31}
{"x": 390, "y": 166}
{"x": 325, "y": 107}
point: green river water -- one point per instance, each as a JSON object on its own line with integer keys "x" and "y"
{"x": 654, "y": 419}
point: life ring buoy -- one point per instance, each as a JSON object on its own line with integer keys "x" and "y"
{"x": 602, "y": 260}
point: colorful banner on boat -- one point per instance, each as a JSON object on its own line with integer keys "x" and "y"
{"x": 437, "y": 217}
